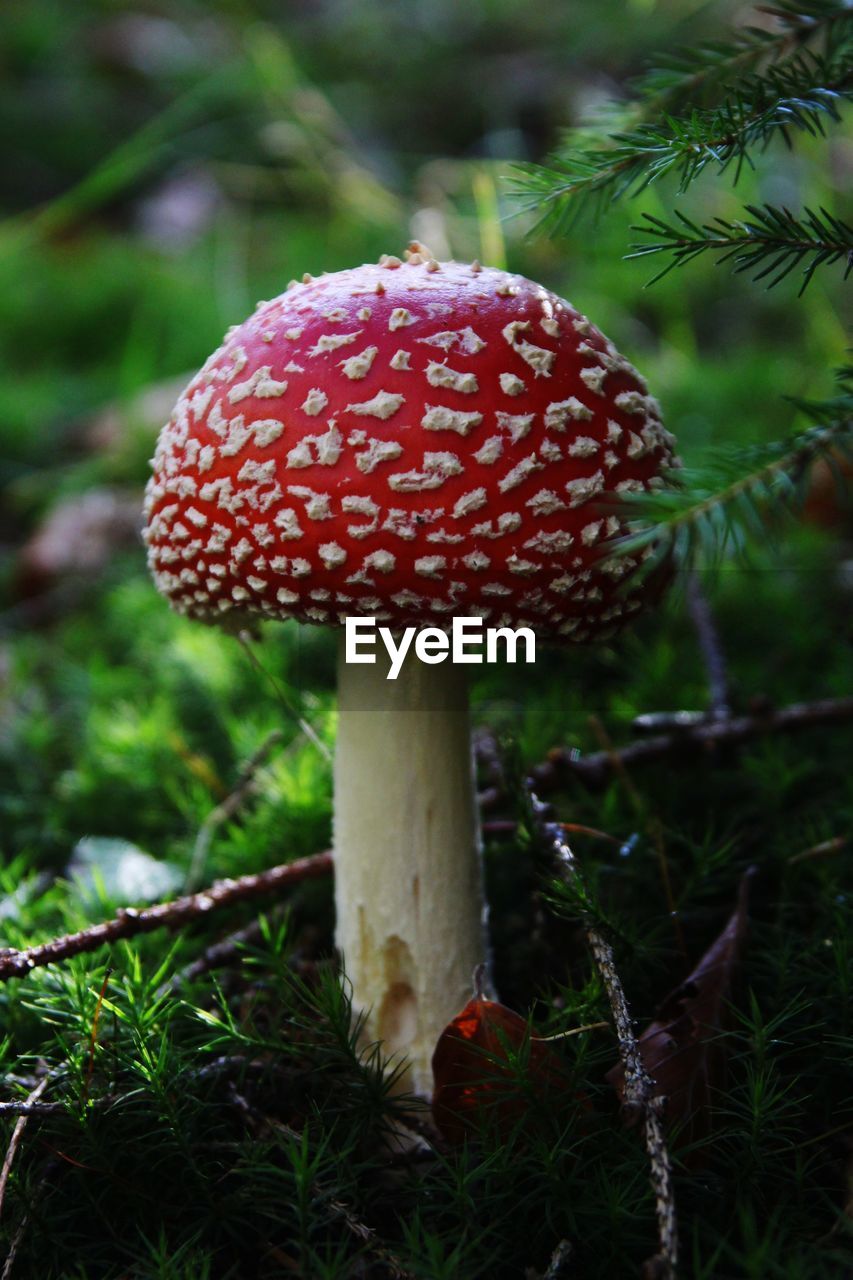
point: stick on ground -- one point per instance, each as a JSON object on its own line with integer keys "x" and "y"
{"x": 684, "y": 745}
{"x": 17, "y": 1138}
{"x": 130, "y": 921}
{"x": 640, "y": 1105}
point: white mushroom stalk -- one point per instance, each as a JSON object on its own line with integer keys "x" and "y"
{"x": 408, "y": 878}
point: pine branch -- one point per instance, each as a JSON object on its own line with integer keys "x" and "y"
{"x": 708, "y": 511}
{"x": 803, "y": 95}
{"x": 704, "y": 74}
{"x": 708, "y": 106}
{"x": 818, "y": 239}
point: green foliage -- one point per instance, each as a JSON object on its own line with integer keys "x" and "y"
{"x": 706, "y": 71}
{"x": 744, "y": 495}
{"x": 804, "y": 94}
{"x": 228, "y": 1123}
{"x": 819, "y": 239}
{"x": 752, "y": 87}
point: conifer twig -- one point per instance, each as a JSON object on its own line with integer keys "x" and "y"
{"x": 802, "y": 95}
{"x": 708, "y": 512}
{"x": 130, "y": 921}
{"x": 770, "y": 232}
{"x": 639, "y": 1104}
{"x": 710, "y": 105}
{"x": 710, "y": 70}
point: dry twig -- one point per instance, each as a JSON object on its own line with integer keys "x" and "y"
{"x": 21, "y": 1230}
{"x": 245, "y": 639}
{"x": 561, "y": 764}
{"x": 683, "y": 745}
{"x": 826, "y": 848}
{"x": 26, "y": 1108}
{"x": 639, "y": 1105}
{"x": 130, "y": 921}
{"x": 17, "y": 1138}
{"x": 561, "y": 1260}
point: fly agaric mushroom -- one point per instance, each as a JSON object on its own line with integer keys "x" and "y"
{"x": 407, "y": 441}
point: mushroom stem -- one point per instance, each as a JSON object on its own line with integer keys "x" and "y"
{"x": 408, "y": 874}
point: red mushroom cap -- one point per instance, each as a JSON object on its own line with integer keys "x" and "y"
{"x": 405, "y": 441}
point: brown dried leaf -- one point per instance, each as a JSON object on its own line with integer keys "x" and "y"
{"x": 682, "y": 1049}
{"x": 471, "y": 1068}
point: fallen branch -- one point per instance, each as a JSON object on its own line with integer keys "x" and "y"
{"x": 26, "y": 1108}
{"x": 639, "y": 1103}
{"x": 682, "y": 745}
{"x": 561, "y": 764}
{"x": 130, "y": 921}
{"x": 17, "y": 1138}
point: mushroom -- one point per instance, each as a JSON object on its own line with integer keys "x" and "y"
{"x": 408, "y": 441}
